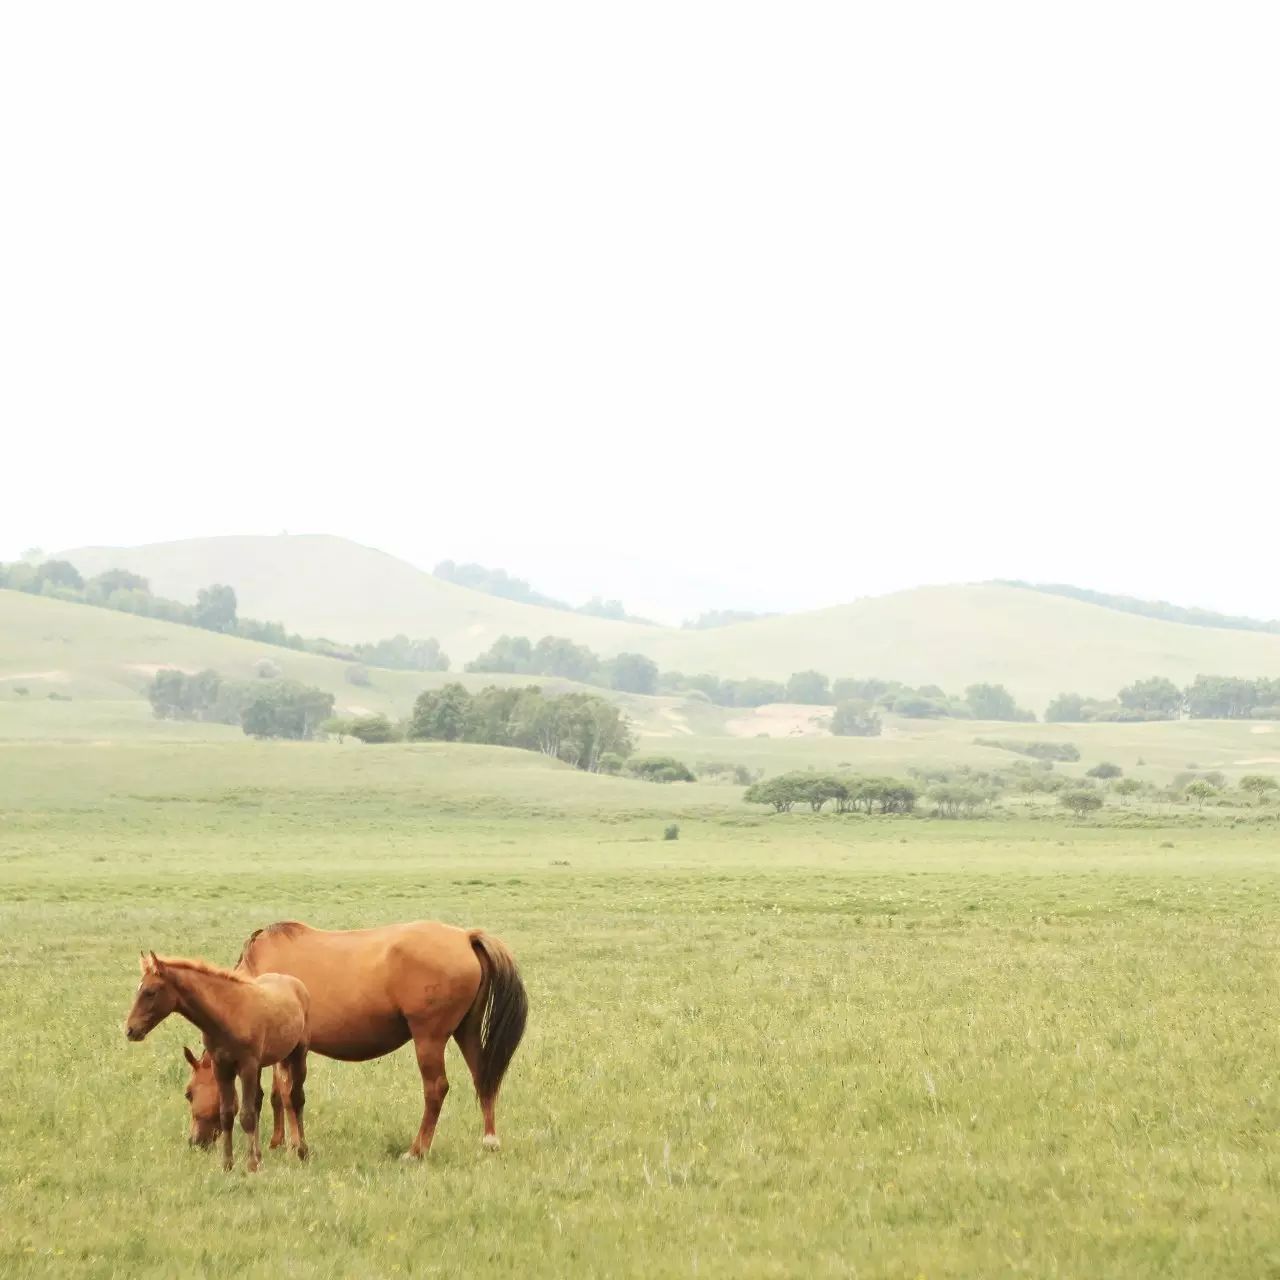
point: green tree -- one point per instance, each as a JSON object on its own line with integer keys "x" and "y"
{"x": 1158, "y": 698}
{"x": 855, "y": 720}
{"x": 1259, "y": 785}
{"x": 558, "y": 656}
{"x": 215, "y": 608}
{"x": 175, "y": 695}
{"x": 441, "y": 715}
{"x": 1127, "y": 787}
{"x": 809, "y": 687}
{"x": 512, "y": 654}
{"x": 1066, "y": 708}
{"x": 59, "y": 574}
{"x": 1104, "y": 771}
{"x": 105, "y": 585}
{"x": 781, "y": 792}
{"x": 1200, "y": 790}
{"x": 633, "y": 673}
{"x": 993, "y": 702}
{"x": 286, "y": 709}
{"x": 1080, "y": 801}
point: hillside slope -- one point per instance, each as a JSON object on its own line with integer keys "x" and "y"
{"x": 102, "y": 662}
{"x": 1037, "y": 644}
{"x": 325, "y": 586}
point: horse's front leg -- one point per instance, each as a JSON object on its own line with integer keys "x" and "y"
{"x": 225, "y": 1075}
{"x": 250, "y": 1102}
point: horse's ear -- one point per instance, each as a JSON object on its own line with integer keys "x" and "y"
{"x": 142, "y": 961}
{"x": 190, "y": 1057}
{"x": 155, "y": 962}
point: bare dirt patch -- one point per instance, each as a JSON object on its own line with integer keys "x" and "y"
{"x": 150, "y": 668}
{"x": 58, "y": 677}
{"x": 781, "y": 720}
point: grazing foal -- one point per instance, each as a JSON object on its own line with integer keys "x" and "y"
{"x": 248, "y": 1023}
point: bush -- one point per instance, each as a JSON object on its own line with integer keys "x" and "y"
{"x": 671, "y": 831}
{"x": 1080, "y": 801}
{"x": 661, "y": 769}
{"x": 21, "y": 690}
{"x": 265, "y": 669}
{"x": 1067, "y": 752}
{"x": 376, "y": 728}
{"x": 357, "y": 675}
{"x": 1104, "y": 771}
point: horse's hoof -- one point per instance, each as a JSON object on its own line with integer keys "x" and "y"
{"x": 490, "y": 1142}
{"x": 303, "y": 1151}
{"x": 412, "y": 1155}
{"x": 275, "y": 1143}
{"x": 253, "y": 1166}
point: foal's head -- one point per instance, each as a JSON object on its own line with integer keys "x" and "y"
{"x": 202, "y": 1094}
{"x": 155, "y": 999}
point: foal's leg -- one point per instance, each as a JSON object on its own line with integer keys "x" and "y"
{"x": 468, "y": 1038}
{"x": 250, "y": 1100}
{"x": 225, "y": 1075}
{"x": 293, "y": 1076}
{"x": 277, "y": 1110}
{"x": 429, "y": 1045}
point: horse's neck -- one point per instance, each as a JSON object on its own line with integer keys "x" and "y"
{"x": 205, "y": 999}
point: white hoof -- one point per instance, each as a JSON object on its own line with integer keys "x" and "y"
{"x": 410, "y": 1155}
{"x": 490, "y": 1142}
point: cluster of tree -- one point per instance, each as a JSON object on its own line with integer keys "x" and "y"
{"x": 850, "y": 792}
{"x": 498, "y": 582}
{"x": 1206, "y": 698}
{"x": 1150, "y": 608}
{"x": 264, "y": 709}
{"x": 854, "y": 719}
{"x": 660, "y": 769}
{"x": 582, "y": 729}
{"x": 1067, "y": 752}
{"x": 727, "y": 771}
{"x": 216, "y": 609}
{"x": 713, "y": 618}
{"x": 558, "y": 656}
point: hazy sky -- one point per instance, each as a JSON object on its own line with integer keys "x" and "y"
{"x": 735, "y": 304}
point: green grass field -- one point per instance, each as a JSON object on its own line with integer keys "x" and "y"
{"x": 777, "y": 1046}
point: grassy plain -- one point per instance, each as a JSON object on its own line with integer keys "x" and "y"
{"x": 777, "y": 1046}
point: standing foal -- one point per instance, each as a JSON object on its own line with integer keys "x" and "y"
{"x": 248, "y": 1023}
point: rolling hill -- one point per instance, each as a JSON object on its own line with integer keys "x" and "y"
{"x": 85, "y": 671}
{"x": 1035, "y": 643}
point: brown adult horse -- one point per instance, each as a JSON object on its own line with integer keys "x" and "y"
{"x": 248, "y": 1023}
{"x": 374, "y": 989}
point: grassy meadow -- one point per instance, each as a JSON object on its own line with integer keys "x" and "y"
{"x": 780, "y": 1045}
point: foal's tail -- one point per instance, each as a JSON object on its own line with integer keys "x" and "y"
{"x": 503, "y": 1009}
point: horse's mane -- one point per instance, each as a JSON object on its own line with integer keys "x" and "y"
{"x": 202, "y": 966}
{"x": 290, "y": 928}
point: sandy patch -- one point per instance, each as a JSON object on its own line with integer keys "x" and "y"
{"x": 781, "y": 720}
{"x": 59, "y": 677}
{"x": 150, "y": 668}
{"x": 351, "y": 709}
{"x": 1261, "y": 728}
{"x": 1259, "y": 760}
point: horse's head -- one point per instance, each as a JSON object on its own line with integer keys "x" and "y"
{"x": 202, "y": 1094}
{"x": 155, "y": 999}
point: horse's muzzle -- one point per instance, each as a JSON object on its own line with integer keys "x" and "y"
{"x": 134, "y": 1034}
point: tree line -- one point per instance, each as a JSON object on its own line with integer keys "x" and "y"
{"x": 498, "y": 582}
{"x": 264, "y": 708}
{"x": 1205, "y": 698}
{"x": 216, "y": 609}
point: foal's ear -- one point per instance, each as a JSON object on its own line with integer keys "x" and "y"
{"x": 190, "y": 1057}
{"x": 154, "y": 962}
{"x": 143, "y": 963}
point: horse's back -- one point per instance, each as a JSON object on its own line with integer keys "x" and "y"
{"x": 287, "y": 1013}
{"x": 368, "y": 985}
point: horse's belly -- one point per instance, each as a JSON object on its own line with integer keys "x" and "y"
{"x": 357, "y": 1036}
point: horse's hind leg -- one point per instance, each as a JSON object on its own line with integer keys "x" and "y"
{"x": 250, "y": 1101}
{"x": 468, "y": 1038}
{"x": 429, "y": 1045}
{"x": 277, "y": 1110}
{"x": 293, "y": 1075}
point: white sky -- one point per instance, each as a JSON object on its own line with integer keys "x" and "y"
{"x": 692, "y": 303}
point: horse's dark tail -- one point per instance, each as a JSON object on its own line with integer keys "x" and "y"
{"x": 503, "y": 1008}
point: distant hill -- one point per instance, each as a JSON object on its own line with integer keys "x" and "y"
{"x": 1038, "y": 644}
{"x": 97, "y": 659}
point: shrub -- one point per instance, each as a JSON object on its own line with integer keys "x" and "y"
{"x": 661, "y": 769}
{"x": 856, "y": 720}
{"x": 1067, "y": 752}
{"x": 376, "y": 728}
{"x": 21, "y": 690}
{"x": 671, "y": 831}
{"x": 1105, "y": 771}
{"x": 358, "y": 675}
{"x": 265, "y": 669}
{"x": 1080, "y": 801}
